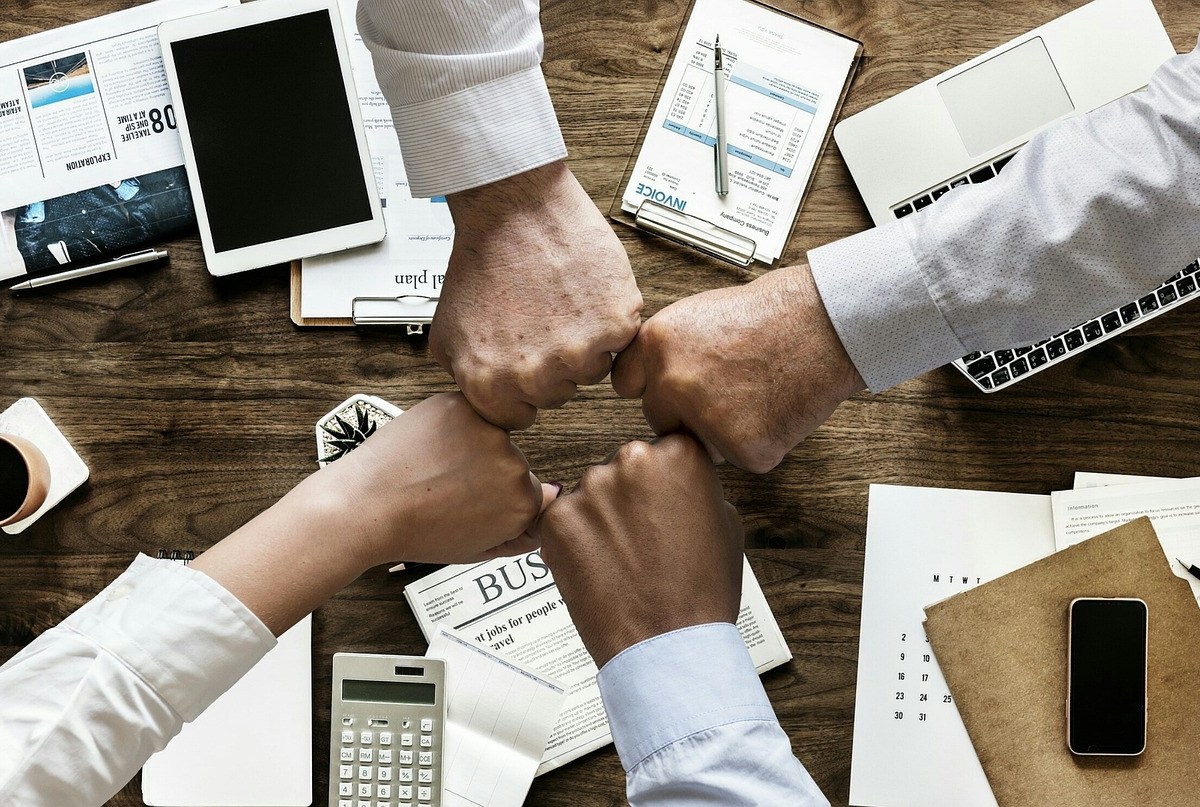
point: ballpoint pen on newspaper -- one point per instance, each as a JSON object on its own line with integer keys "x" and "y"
{"x": 719, "y": 111}
{"x": 134, "y": 259}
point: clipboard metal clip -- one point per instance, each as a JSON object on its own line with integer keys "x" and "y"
{"x": 414, "y": 311}
{"x": 695, "y": 232}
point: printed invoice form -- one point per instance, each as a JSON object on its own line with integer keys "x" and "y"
{"x": 784, "y": 80}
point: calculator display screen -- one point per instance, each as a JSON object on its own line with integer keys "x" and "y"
{"x": 388, "y": 691}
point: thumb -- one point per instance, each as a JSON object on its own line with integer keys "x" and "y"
{"x": 550, "y": 491}
{"x": 629, "y": 370}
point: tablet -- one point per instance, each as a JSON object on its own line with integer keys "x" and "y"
{"x": 272, "y": 136}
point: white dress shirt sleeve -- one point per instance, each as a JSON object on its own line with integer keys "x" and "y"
{"x": 464, "y": 82}
{"x": 88, "y": 701}
{"x": 1091, "y": 214}
{"x": 693, "y": 725}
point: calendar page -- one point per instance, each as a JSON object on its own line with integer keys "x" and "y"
{"x": 923, "y": 545}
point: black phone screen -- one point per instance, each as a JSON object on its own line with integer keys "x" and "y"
{"x": 1107, "y": 677}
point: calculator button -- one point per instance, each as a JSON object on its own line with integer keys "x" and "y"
{"x": 345, "y": 803}
{"x": 404, "y": 792}
{"x": 346, "y": 754}
{"x": 385, "y": 774}
{"x": 364, "y": 804}
{"x": 406, "y": 724}
{"x": 426, "y": 741}
{"x": 425, "y": 776}
{"x": 364, "y": 791}
{"x": 366, "y": 755}
{"x": 347, "y": 736}
{"x": 404, "y": 804}
{"x": 406, "y": 739}
{"x": 385, "y": 738}
{"x": 347, "y": 721}
{"x": 425, "y": 758}
{"x": 345, "y": 771}
{"x": 405, "y": 757}
{"x": 385, "y": 756}
{"x": 366, "y": 772}
{"x": 383, "y": 791}
{"x": 426, "y": 724}
{"x": 345, "y": 789}
{"x": 366, "y": 737}
{"x": 424, "y": 793}
{"x": 404, "y": 774}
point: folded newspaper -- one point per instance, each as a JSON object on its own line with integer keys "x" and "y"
{"x": 91, "y": 167}
{"x": 512, "y": 605}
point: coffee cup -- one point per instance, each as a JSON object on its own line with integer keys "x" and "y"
{"x": 24, "y": 479}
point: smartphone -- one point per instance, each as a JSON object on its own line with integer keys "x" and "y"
{"x": 1106, "y": 676}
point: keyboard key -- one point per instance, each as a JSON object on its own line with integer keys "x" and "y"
{"x": 1056, "y": 349}
{"x": 1021, "y": 351}
{"x": 1174, "y": 277}
{"x": 1003, "y": 161}
{"x": 1167, "y": 295}
{"x": 1037, "y": 358}
{"x": 345, "y": 803}
{"x": 1000, "y": 376}
{"x": 1074, "y": 339}
{"x": 1002, "y": 357}
{"x": 1019, "y": 368}
{"x": 937, "y": 194}
{"x": 1092, "y": 330}
{"x": 903, "y": 210}
{"x": 959, "y": 181}
{"x": 1130, "y": 312}
{"x": 922, "y": 201}
{"x": 1111, "y": 321}
{"x": 970, "y": 357}
{"x": 1186, "y": 286}
{"x": 1192, "y": 268}
{"x": 981, "y": 367}
{"x": 1148, "y": 303}
{"x": 986, "y": 382}
{"x": 983, "y": 174}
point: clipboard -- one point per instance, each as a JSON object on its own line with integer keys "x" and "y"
{"x": 413, "y": 311}
{"x": 661, "y": 211}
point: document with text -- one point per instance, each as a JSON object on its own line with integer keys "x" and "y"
{"x": 784, "y": 79}
{"x": 512, "y": 606}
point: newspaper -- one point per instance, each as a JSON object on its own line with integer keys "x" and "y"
{"x": 512, "y": 605}
{"x": 91, "y": 165}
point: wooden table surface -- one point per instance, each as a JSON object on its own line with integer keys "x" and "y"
{"x": 193, "y": 399}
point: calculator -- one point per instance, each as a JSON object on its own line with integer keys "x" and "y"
{"x": 388, "y": 717}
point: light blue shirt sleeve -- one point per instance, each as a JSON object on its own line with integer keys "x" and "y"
{"x": 692, "y": 725}
{"x": 1092, "y": 213}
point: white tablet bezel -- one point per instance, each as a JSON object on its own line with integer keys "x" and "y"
{"x": 284, "y": 250}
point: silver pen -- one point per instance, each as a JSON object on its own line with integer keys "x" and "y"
{"x": 719, "y": 110}
{"x": 145, "y": 256}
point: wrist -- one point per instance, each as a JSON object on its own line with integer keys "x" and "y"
{"x": 533, "y": 199}
{"x": 809, "y": 325}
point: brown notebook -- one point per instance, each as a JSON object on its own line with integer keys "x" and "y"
{"x": 1003, "y": 649}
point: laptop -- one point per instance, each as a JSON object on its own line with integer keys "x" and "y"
{"x": 963, "y": 126}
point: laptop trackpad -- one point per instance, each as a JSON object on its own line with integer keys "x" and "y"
{"x": 1005, "y": 97}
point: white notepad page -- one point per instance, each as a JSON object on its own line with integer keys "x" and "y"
{"x": 499, "y": 718}
{"x": 923, "y": 545}
{"x": 253, "y": 746}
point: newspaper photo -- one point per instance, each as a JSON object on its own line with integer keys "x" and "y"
{"x": 512, "y": 606}
{"x": 90, "y": 159}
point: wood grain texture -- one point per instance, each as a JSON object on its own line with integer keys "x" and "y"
{"x": 192, "y": 398}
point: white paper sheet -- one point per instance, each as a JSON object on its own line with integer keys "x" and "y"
{"x": 783, "y": 84}
{"x": 1173, "y": 506}
{"x": 499, "y": 717}
{"x": 923, "y": 545}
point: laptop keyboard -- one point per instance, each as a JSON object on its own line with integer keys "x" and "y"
{"x": 995, "y": 369}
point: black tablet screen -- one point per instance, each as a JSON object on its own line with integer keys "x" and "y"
{"x": 271, "y": 130}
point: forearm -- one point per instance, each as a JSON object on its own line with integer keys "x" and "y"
{"x": 464, "y": 81}
{"x": 1091, "y": 214}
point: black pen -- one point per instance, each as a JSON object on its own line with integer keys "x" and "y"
{"x": 1192, "y": 570}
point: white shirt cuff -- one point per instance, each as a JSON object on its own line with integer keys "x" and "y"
{"x": 881, "y": 307}
{"x": 176, "y": 628}
{"x": 672, "y": 686}
{"x": 478, "y": 135}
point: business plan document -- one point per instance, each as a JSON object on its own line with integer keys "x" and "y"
{"x": 924, "y": 545}
{"x": 784, "y": 79}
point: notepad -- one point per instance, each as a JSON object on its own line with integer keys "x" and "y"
{"x": 499, "y": 718}
{"x": 253, "y": 746}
